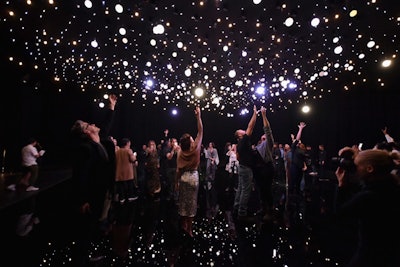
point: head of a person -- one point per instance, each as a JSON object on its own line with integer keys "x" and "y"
{"x": 125, "y": 142}
{"x": 32, "y": 141}
{"x": 83, "y": 129}
{"x": 151, "y": 145}
{"x": 287, "y": 147}
{"x": 211, "y": 145}
{"x": 186, "y": 142}
{"x": 239, "y": 134}
{"x": 373, "y": 164}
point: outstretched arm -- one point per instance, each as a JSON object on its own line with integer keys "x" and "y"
{"x": 199, "y": 136}
{"x": 252, "y": 122}
{"x": 389, "y": 139}
{"x": 301, "y": 126}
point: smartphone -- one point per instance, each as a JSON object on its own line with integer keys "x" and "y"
{"x": 360, "y": 146}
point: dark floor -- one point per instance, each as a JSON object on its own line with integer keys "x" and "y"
{"x": 307, "y": 238}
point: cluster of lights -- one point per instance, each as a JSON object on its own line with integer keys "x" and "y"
{"x": 214, "y": 54}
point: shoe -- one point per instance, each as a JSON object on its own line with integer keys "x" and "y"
{"x": 31, "y": 188}
{"x": 11, "y": 187}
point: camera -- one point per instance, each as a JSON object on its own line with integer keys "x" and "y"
{"x": 344, "y": 163}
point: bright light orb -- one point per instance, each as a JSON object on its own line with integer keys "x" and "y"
{"x": 122, "y": 31}
{"x": 256, "y": 2}
{"x": 153, "y": 42}
{"x": 386, "y": 63}
{"x": 305, "y": 109}
{"x": 353, "y": 13}
{"x": 289, "y": 22}
{"x": 179, "y": 44}
{"x": 88, "y": 4}
{"x": 188, "y": 72}
{"x": 244, "y": 54}
{"x": 232, "y": 73}
{"x": 174, "y": 112}
{"x": 158, "y": 29}
{"x": 261, "y": 61}
{"x": 119, "y": 8}
{"x": 94, "y": 44}
{"x": 338, "y": 50}
{"x": 315, "y": 22}
{"x": 260, "y": 90}
{"x": 335, "y": 40}
{"x": 99, "y": 64}
{"x": 371, "y": 44}
{"x": 199, "y": 92}
{"x": 361, "y": 56}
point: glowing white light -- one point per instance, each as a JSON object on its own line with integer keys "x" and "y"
{"x": 261, "y": 61}
{"x": 204, "y": 59}
{"x": 361, "y": 56}
{"x": 174, "y": 112}
{"x": 94, "y": 43}
{"x": 125, "y": 40}
{"x": 99, "y": 63}
{"x": 148, "y": 64}
{"x": 153, "y": 42}
{"x": 179, "y": 44}
{"x": 338, "y": 50}
{"x": 88, "y": 4}
{"x": 169, "y": 66}
{"x": 188, "y": 72}
{"x": 232, "y": 73}
{"x": 244, "y": 54}
{"x": 158, "y": 29}
{"x": 101, "y": 105}
{"x": 225, "y": 48}
{"x": 386, "y": 63}
{"x": 125, "y": 63}
{"x": 371, "y": 44}
{"x": 119, "y": 8}
{"x": 260, "y": 90}
{"x": 195, "y": 65}
{"x": 305, "y": 109}
{"x": 239, "y": 83}
{"x": 127, "y": 85}
{"x": 353, "y": 13}
{"x": 289, "y": 22}
{"x": 335, "y": 40}
{"x": 256, "y": 2}
{"x": 296, "y": 70}
{"x": 214, "y": 68}
{"x": 199, "y": 92}
{"x": 149, "y": 83}
{"x": 122, "y": 31}
{"x": 315, "y": 22}
{"x": 174, "y": 54}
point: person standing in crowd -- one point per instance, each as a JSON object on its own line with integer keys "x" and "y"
{"x": 125, "y": 197}
{"x": 264, "y": 169}
{"x": 211, "y": 155}
{"x": 297, "y": 168}
{"x": 153, "y": 190}
{"x": 375, "y": 208}
{"x": 30, "y": 153}
{"x": 91, "y": 175}
{"x": 187, "y": 177}
{"x": 322, "y": 157}
{"x": 246, "y": 162}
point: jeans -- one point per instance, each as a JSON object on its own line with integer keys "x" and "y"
{"x": 244, "y": 190}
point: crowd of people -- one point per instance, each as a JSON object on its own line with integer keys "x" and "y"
{"x": 116, "y": 188}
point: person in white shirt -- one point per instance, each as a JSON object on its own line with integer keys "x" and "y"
{"x": 30, "y": 168}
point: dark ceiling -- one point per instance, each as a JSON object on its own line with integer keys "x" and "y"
{"x": 238, "y": 52}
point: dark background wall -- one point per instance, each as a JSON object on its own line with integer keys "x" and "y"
{"x": 37, "y": 109}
